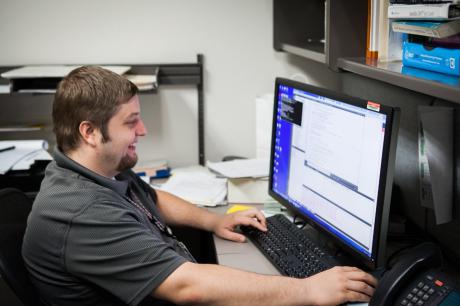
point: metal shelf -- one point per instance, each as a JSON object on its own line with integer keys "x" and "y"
{"x": 167, "y": 74}
{"x": 313, "y": 51}
{"x": 391, "y": 73}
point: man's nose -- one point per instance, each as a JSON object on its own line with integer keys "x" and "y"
{"x": 141, "y": 130}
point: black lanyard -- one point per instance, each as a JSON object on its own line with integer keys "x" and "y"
{"x": 134, "y": 200}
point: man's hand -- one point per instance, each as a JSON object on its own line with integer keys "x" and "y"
{"x": 341, "y": 284}
{"x": 226, "y": 224}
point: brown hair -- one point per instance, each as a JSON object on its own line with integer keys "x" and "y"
{"x": 88, "y": 93}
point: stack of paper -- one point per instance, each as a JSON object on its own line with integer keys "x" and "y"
{"x": 247, "y": 179}
{"x": 21, "y": 154}
{"x": 241, "y": 168}
{"x": 143, "y": 81}
{"x": 197, "y": 185}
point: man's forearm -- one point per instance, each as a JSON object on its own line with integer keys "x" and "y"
{"x": 217, "y": 285}
{"x": 177, "y": 211}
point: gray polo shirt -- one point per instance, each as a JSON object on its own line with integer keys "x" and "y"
{"x": 87, "y": 244}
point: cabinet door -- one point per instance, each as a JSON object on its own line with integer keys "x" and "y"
{"x": 346, "y": 30}
{"x": 320, "y": 30}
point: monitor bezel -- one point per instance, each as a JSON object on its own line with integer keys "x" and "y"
{"x": 386, "y": 174}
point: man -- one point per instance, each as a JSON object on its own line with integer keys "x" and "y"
{"x": 98, "y": 235}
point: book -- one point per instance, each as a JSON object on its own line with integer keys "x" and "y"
{"x": 435, "y": 59}
{"x": 439, "y": 29}
{"x": 424, "y": 11}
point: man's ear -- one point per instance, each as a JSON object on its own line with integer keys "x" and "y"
{"x": 89, "y": 133}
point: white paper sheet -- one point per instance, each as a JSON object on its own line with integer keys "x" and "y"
{"x": 23, "y": 155}
{"x": 198, "y": 186}
{"x": 241, "y": 168}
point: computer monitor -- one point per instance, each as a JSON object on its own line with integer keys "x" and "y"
{"x": 332, "y": 161}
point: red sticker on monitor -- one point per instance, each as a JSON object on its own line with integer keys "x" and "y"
{"x": 373, "y": 106}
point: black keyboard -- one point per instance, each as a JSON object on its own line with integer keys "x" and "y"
{"x": 288, "y": 248}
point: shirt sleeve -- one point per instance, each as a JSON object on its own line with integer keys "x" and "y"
{"x": 110, "y": 247}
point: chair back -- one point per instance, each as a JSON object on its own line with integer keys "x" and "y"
{"x": 15, "y": 207}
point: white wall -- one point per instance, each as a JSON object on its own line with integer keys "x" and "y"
{"x": 235, "y": 37}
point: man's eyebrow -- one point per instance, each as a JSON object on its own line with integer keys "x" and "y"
{"x": 133, "y": 115}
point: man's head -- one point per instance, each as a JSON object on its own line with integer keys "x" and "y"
{"x": 88, "y": 93}
{"x": 96, "y": 108}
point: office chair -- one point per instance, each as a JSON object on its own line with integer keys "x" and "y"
{"x": 15, "y": 206}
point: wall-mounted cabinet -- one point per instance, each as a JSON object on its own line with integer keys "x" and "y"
{"x": 320, "y": 30}
{"x": 333, "y": 32}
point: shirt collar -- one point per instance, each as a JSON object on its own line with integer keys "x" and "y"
{"x": 64, "y": 161}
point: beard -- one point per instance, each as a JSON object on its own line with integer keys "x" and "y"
{"x": 127, "y": 162}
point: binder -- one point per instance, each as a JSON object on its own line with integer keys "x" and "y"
{"x": 428, "y": 28}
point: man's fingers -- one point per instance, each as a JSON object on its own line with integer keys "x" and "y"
{"x": 361, "y": 287}
{"x": 251, "y": 222}
{"x": 357, "y": 274}
{"x": 360, "y": 275}
{"x": 255, "y": 213}
{"x": 353, "y": 296}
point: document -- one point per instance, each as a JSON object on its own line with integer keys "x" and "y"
{"x": 241, "y": 168}
{"x": 197, "y": 185}
{"x": 21, "y": 154}
{"x": 144, "y": 81}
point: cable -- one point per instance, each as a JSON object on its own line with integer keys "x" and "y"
{"x": 300, "y": 224}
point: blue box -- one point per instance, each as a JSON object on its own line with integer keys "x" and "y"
{"x": 435, "y": 59}
{"x": 431, "y": 75}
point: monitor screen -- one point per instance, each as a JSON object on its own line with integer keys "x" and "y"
{"x": 332, "y": 160}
